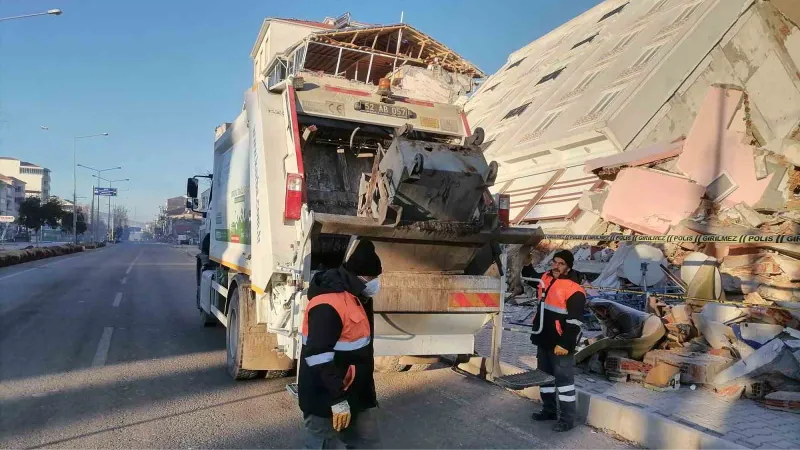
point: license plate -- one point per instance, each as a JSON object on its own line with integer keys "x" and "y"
{"x": 384, "y": 110}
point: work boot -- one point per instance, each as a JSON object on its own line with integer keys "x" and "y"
{"x": 563, "y": 425}
{"x": 541, "y": 416}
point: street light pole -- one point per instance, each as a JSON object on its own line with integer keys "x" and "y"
{"x": 50, "y": 12}
{"x": 108, "y": 224}
{"x": 99, "y": 171}
{"x": 75, "y": 184}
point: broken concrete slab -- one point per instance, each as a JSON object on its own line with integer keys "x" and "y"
{"x": 756, "y": 334}
{"x": 714, "y": 312}
{"x": 754, "y": 298}
{"x": 761, "y": 166}
{"x": 584, "y": 222}
{"x": 712, "y": 149}
{"x": 753, "y": 218}
{"x": 593, "y": 201}
{"x": 717, "y": 334}
{"x": 695, "y": 367}
{"x": 789, "y": 266}
{"x": 773, "y": 357}
{"x": 682, "y": 314}
{"x": 790, "y": 9}
{"x": 774, "y": 199}
{"x": 650, "y": 202}
{"x": 633, "y": 158}
{"x": 790, "y": 149}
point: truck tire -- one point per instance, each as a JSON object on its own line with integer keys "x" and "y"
{"x": 234, "y": 341}
{"x": 389, "y": 364}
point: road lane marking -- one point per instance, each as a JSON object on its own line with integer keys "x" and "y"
{"x": 102, "y": 348}
{"x": 18, "y": 273}
{"x": 117, "y": 299}
{"x": 132, "y": 263}
{"x": 124, "y": 280}
{"x": 75, "y": 255}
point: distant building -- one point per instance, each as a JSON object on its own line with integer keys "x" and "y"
{"x": 624, "y": 75}
{"x": 36, "y": 178}
{"x": 12, "y": 192}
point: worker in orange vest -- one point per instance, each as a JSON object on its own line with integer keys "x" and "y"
{"x": 556, "y": 331}
{"x": 336, "y": 386}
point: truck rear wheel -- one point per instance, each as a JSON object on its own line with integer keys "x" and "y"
{"x": 234, "y": 342}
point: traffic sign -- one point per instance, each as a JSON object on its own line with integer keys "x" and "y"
{"x": 107, "y": 192}
{"x": 6, "y": 219}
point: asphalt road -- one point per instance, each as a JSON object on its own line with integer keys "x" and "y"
{"x": 104, "y": 349}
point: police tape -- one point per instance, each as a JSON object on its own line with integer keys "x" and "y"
{"x": 696, "y": 239}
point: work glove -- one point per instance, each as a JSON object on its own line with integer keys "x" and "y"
{"x": 341, "y": 415}
{"x": 560, "y": 351}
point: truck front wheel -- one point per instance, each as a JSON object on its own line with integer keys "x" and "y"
{"x": 234, "y": 341}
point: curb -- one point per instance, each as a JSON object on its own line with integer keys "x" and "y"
{"x": 633, "y": 424}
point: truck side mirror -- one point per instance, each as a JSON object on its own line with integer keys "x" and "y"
{"x": 191, "y": 187}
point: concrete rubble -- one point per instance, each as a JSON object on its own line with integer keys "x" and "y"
{"x": 731, "y": 326}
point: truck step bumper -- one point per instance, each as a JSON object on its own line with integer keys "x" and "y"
{"x": 520, "y": 381}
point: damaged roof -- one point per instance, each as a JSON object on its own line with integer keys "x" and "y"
{"x": 415, "y": 46}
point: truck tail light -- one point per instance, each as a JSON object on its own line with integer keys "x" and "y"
{"x": 504, "y": 209}
{"x": 294, "y": 197}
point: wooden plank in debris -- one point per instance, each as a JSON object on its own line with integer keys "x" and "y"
{"x": 539, "y": 195}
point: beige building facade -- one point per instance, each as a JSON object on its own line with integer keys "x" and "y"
{"x": 625, "y": 75}
{"x": 36, "y": 178}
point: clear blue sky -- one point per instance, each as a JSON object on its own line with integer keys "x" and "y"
{"x": 159, "y": 75}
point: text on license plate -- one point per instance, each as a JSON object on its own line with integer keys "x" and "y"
{"x": 384, "y": 110}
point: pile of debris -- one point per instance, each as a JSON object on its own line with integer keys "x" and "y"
{"x": 715, "y": 181}
{"x": 752, "y": 350}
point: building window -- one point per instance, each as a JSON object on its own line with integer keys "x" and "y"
{"x": 516, "y": 111}
{"x": 612, "y": 13}
{"x": 515, "y": 64}
{"x": 686, "y": 13}
{"x": 585, "y": 41}
{"x": 587, "y": 80}
{"x": 604, "y": 103}
{"x": 548, "y": 120}
{"x": 551, "y": 76}
{"x": 647, "y": 56}
{"x": 657, "y": 7}
{"x": 624, "y": 42}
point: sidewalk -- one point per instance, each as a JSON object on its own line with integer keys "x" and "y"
{"x": 742, "y": 422}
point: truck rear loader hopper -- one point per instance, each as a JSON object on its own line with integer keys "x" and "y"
{"x": 352, "y": 163}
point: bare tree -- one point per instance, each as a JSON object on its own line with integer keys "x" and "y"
{"x": 120, "y": 216}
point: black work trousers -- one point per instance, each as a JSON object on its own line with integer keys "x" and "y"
{"x": 559, "y": 398}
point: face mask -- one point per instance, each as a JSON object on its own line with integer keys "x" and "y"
{"x": 372, "y": 288}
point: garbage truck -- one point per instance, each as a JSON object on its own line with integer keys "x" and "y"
{"x": 315, "y": 163}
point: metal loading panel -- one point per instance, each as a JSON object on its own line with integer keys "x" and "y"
{"x": 437, "y": 292}
{"x": 356, "y": 102}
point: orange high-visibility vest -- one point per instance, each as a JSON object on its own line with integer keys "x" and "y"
{"x": 355, "y": 326}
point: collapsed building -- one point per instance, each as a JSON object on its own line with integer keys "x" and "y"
{"x": 681, "y": 120}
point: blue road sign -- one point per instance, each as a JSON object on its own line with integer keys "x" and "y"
{"x": 107, "y": 192}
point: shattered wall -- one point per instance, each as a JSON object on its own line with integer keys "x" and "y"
{"x": 760, "y": 54}
{"x": 433, "y": 84}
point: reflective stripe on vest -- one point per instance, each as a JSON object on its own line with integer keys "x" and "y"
{"x": 355, "y": 326}
{"x": 558, "y": 291}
